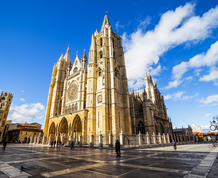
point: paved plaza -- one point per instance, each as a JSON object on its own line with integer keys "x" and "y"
{"x": 191, "y": 160}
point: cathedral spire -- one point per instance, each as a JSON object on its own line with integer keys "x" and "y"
{"x": 67, "y": 56}
{"x": 105, "y": 21}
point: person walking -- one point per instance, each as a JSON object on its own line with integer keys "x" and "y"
{"x": 60, "y": 144}
{"x": 51, "y": 143}
{"x": 54, "y": 143}
{"x": 117, "y": 148}
{"x": 4, "y": 144}
{"x": 174, "y": 144}
{"x": 72, "y": 145}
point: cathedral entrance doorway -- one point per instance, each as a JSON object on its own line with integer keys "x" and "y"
{"x": 52, "y": 132}
{"x": 77, "y": 128}
{"x": 140, "y": 128}
{"x": 63, "y": 129}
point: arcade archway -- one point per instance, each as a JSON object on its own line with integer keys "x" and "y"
{"x": 63, "y": 129}
{"x": 77, "y": 127}
{"x": 52, "y": 130}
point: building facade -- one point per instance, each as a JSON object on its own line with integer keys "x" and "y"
{"x": 5, "y": 103}
{"x": 92, "y": 99}
{"x": 23, "y": 132}
{"x": 148, "y": 111}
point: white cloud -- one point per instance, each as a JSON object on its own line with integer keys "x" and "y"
{"x": 174, "y": 84}
{"x": 179, "y": 96}
{"x": 209, "y": 59}
{"x": 189, "y": 78}
{"x": 205, "y": 127}
{"x": 210, "y": 99}
{"x": 26, "y": 112}
{"x": 209, "y": 114}
{"x": 143, "y": 49}
{"x": 22, "y": 99}
{"x": 168, "y": 96}
{"x": 22, "y": 91}
{"x": 117, "y": 26}
{"x": 212, "y": 76}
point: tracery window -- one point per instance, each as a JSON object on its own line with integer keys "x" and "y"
{"x": 75, "y": 69}
{"x": 99, "y": 73}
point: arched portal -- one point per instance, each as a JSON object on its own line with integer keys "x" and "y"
{"x": 140, "y": 128}
{"x": 77, "y": 127}
{"x": 52, "y": 130}
{"x": 63, "y": 126}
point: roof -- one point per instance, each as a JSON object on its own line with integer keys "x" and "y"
{"x": 27, "y": 125}
{"x": 24, "y": 129}
{"x": 178, "y": 130}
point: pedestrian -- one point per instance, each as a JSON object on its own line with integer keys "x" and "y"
{"x": 51, "y": 143}
{"x": 72, "y": 145}
{"x": 60, "y": 144}
{"x": 174, "y": 144}
{"x": 54, "y": 143}
{"x": 4, "y": 144}
{"x": 117, "y": 148}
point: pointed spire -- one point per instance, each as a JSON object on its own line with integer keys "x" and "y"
{"x": 105, "y": 21}
{"x": 132, "y": 91}
{"x": 84, "y": 53}
{"x": 143, "y": 88}
{"x": 154, "y": 82}
{"x": 146, "y": 75}
{"x": 67, "y": 56}
{"x": 77, "y": 57}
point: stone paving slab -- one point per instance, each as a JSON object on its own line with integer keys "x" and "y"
{"x": 192, "y": 160}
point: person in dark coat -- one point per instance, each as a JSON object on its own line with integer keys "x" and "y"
{"x": 174, "y": 144}
{"x": 4, "y": 144}
{"x": 72, "y": 145}
{"x": 51, "y": 143}
{"x": 117, "y": 147}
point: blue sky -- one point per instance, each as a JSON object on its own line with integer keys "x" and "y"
{"x": 175, "y": 40}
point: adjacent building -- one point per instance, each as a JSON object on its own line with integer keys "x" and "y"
{"x": 5, "y": 103}
{"x": 22, "y": 132}
{"x": 92, "y": 99}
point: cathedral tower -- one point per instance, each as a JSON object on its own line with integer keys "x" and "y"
{"x": 107, "y": 89}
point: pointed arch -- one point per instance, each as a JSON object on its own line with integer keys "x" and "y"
{"x": 77, "y": 124}
{"x": 63, "y": 128}
{"x": 52, "y": 129}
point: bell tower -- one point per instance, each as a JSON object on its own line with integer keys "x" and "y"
{"x": 107, "y": 89}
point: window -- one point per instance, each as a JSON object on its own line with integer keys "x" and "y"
{"x": 101, "y": 42}
{"x": 116, "y": 73}
{"x": 76, "y": 69}
{"x": 99, "y": 73}
{"x": 100, "y": 55}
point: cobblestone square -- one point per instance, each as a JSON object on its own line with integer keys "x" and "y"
{"x": 190, "y": 160}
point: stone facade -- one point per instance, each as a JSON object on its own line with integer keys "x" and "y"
{"x": 88, "y": 100}
{"x": 148, "y": 110}
{"x": 24, "y": 132}
{"x": 5, "y": 103}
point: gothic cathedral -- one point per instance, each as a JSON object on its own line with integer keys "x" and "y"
{"x": 93, "y": 99}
